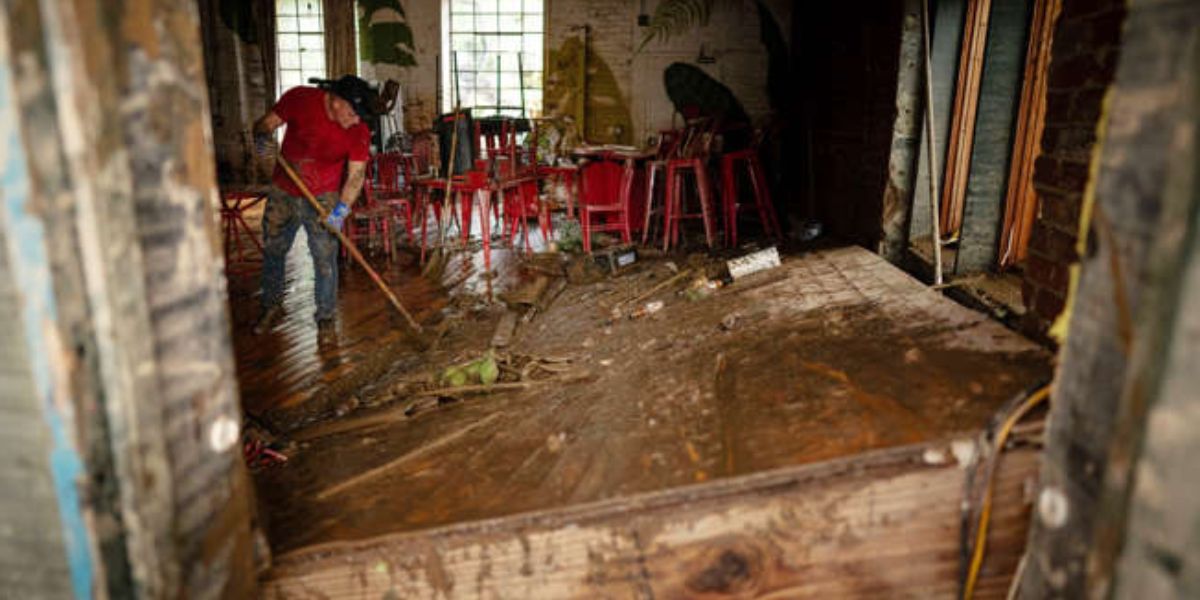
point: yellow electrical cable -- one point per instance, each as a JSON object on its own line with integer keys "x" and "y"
{"x": 986, "y": 513}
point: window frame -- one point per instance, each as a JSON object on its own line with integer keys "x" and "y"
{"x": 489, "y": 79}
{"x": 300, "y": 33}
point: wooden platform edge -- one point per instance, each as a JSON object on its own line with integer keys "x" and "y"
{"x": 878, "y": 524}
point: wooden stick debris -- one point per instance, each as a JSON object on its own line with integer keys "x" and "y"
{"x": 934, "y": 204}
{"x": 406, "y": 458}
{"x": 400, "y": 412}
{"x": 654, "y": 290}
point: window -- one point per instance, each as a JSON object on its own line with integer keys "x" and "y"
{"x": 300, "y": 37}
{"x": 497, "y": 45}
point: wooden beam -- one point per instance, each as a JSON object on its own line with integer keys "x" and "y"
{"x": 1020, "y": 205}
{"x": 966, "y": 102}
{"x": 880, "y": 524}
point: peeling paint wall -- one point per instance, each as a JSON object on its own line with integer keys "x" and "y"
{"x": 405, "y": 44}
{"x": 626, "y": 99}
{"x": 732, "y": 40}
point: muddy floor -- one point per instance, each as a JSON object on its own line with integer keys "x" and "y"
{"x": 596, "y": 394}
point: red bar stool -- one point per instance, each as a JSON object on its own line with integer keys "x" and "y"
{"x": 752, "y": 168}
{"x": 677, "y": 171}
{"x": 463, "y": 188}
{"x": 667, "y": 146}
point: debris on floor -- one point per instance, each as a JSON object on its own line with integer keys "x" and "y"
{"x": 827, "y": 354}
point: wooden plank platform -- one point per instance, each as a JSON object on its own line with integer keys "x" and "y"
{"x": 832, "y": 354}
{"x": 883, "y": 524}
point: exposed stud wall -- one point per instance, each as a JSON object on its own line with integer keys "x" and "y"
{"x": 999, "y": 98}
{"x": 114, "y": 119}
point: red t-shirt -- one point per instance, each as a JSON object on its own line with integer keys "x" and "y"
{"x": 315, "y": 144}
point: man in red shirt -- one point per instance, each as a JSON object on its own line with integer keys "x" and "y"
{"x": 325, "y": 138}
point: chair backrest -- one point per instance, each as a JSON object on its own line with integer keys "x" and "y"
{"x": 387, "y": 173}
{"x": 668, "y": 143}
{"x": 421, "y": 158}
{"x": 697, "y": 139}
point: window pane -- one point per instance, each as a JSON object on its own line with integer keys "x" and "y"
{"x": 289, "y": 60}
{"x": 312, "y": 41}
{"x": 288, "y": 42}
{"x": 310, "y": 7}
{"x": 533, "y": 6}
{"x": 313, "y": 62}
{"x": 533, "y": 100}
{"x": 287, "y": 24}
{"x": 511, "y": 45}
{"x": 533, "y": 79}
{"x": 462, "y": 6}
{"x": 289, "y": 79}
{"x": 508, "y": 23}
{"x": 309, "y": 24}
{"x": 510, "y": 97}
{"x": 485, "y": 80}
{"x": 285, "y": 7}
{"x": 462, "y": 22}
{"x": 512, "y": 6}
{"x": 485, "y": 97}
{"x": 485, "y": 22}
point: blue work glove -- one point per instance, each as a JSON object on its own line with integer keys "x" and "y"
{"x": 337, "y": 215}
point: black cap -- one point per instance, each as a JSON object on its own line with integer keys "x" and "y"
{"x": 358, "y": 93}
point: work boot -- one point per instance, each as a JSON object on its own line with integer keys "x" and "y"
{"x": 268, "y": 318}
{"x": 326, "y": 331}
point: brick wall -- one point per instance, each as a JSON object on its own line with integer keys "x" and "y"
{"x": 1083, "y": 59}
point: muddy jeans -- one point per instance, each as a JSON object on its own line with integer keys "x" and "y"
{"x": 284, "y": 215}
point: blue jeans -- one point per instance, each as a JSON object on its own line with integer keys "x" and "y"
{"x": 283, "y": 216}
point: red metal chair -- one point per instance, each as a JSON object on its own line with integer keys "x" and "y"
{"x": 521, "y": 201}
{"x": 599, "y": 199}
{"x": 368, "y": 218}
{"x": 389, "y": 178}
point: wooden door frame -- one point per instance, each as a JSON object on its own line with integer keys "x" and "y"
{"x": 1021, "y": 202}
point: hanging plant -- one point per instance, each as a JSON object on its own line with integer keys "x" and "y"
{"x": 384, "y": 34}
{"x": 674, "y": 17}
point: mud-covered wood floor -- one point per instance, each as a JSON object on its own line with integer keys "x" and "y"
{"x": 833, "y": 353}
